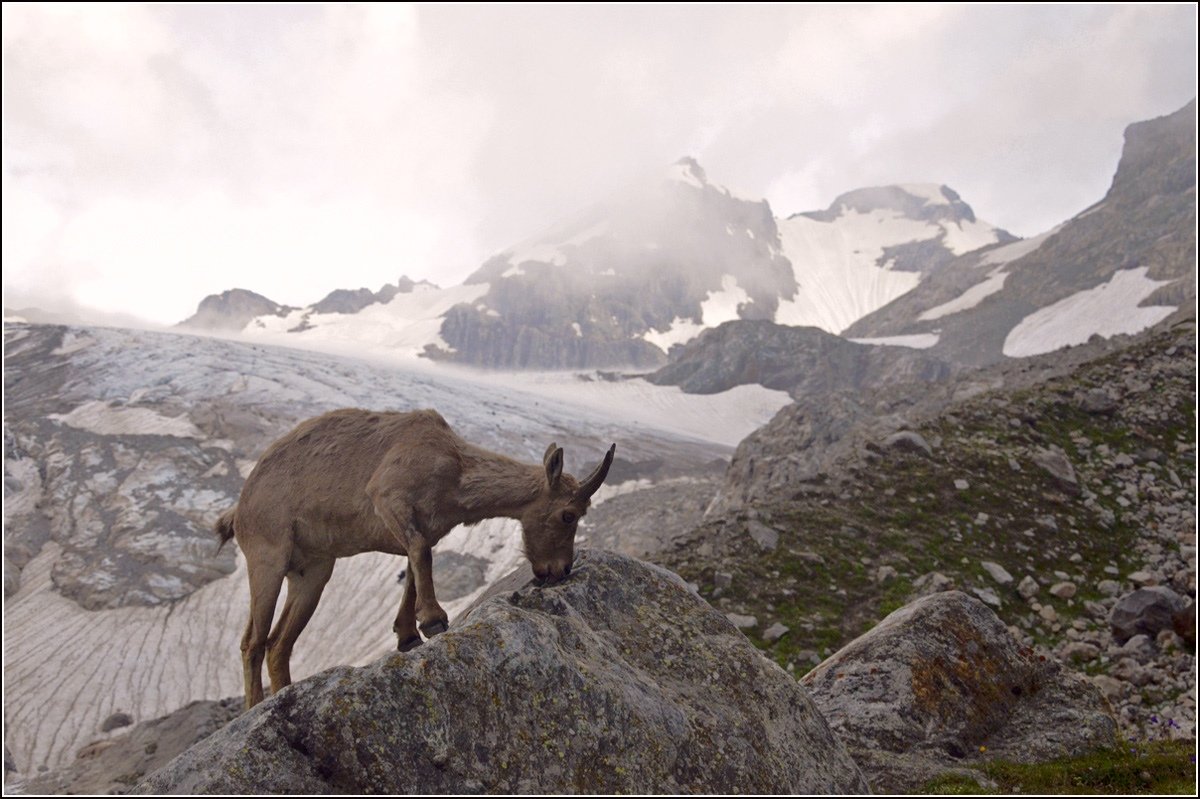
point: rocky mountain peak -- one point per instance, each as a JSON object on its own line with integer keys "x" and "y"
{"x": 688, "y": 170}
{"x": 1158, "y": 157}
{"x": 231, "y": 310}
{"x": 929, "y": 202}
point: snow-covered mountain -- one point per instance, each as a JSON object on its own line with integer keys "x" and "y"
{"x": 1119, "y": 266}
{"x": 874, "y": 245}
{"x": 623, "y": 281}
{"x": 121, "y": 447}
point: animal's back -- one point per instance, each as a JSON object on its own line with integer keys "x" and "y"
{"x": 312, "y": 482}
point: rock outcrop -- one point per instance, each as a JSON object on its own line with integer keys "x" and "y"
{"x": 800, "y": 360}
{"x": 231, "y": 310}
{"x": 940, "y": 683}
{"x": 618, "y": 680}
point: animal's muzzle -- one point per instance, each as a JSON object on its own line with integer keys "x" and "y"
{"x": 552, "y": 575}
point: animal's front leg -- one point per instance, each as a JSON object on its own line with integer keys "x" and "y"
{"x": 430, "y": 616}
{"x": 397, "y": 517}
{"x": 405, "y": 627}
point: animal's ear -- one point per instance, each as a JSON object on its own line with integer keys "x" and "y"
{"x": 554, "y": 464}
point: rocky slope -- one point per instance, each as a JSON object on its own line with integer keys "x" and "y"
{"x": 1051, "y": 488}
{"x": 800, "y": 360}
{"x": 1117, "y": 267}
{"x": 618, "y": 680}
{"x": 121, "y": 447}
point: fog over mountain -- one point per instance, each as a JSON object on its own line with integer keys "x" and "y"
{"x": 156, "y": 154}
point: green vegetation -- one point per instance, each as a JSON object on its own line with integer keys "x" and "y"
{"x": 1158, "y": 767}
{"x": 900, "y": 512}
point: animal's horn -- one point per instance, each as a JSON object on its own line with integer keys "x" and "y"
{"x": 592, "y": 483}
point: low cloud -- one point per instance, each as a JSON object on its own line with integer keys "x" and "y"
{"x": 155, "y": 154}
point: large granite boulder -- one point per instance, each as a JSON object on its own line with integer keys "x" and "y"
{"x": 618, "y": 680}
{"x": 941, "y": 683}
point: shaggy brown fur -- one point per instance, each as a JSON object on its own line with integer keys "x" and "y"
{"x": 356, "y": 481}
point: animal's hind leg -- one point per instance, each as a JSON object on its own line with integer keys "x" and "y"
{"x": 405, "y": 626}
{"x": 304, "y": 592}
{"x": 266, "y": 578}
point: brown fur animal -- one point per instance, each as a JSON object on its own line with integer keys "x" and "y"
{"x": 356, "y": 481}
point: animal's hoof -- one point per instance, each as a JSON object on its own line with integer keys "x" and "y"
{"x": 436, "y": 627}
{"x": 409, "y": 643}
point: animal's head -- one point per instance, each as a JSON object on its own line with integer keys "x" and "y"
{"x": 549, "y": 524}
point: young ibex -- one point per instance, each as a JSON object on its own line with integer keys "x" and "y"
{"x": 355, "y": 481}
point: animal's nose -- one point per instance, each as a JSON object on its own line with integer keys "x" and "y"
{"x": 553, "y": 574}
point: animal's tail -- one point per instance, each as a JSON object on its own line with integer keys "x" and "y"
{"x": 224, "y": 527}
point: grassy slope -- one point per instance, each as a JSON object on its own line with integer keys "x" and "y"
{"x": 903, "y": 510}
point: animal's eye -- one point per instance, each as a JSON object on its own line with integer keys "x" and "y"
{"x": 568, "y": 517}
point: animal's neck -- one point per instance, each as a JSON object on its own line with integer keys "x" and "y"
{"x": 493, "y": 485}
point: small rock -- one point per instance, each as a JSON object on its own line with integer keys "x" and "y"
{"x": 1123, "y": 460}
{"x": 981, "y": 519}
{"x": 988, "y": 596}
{"x": 932, "y": 583}
{"x": 961, "y": 485}
{"x": 1152, "y": 455}
{"x": 1169, "y": 639}
{"x": 722, "y": 579}
{"x": 1128, "y": 670}
{"x": 884, "y": 574}
{"x": 1048, "y": 613}
{"x": 997, "y": 572}
{"x": 1055, "y": 462}
{"x": 1080, "y": 652}
{"x": 1108, "y": 587}
{"x": 116, "y": 721}
{"x": 1076, "y": 558}
{"x": 766, "y": 537}
{"x": 1096, "y": 401}
{"x": 1047, "y": 522}
{"x": 742, "y": 622}
{"x": 1063, "y": 590}
{"x": 808, "y": 656}
{"x": 1139, "y": 647}
{"x": 1112, "y": 688}
{"x": 1142, "y": 578}
{"x": 1012, "y": 464}
{"x": 775, "y": 632}
{"x": 1028, "y": 587}
{"x": 908, "y": 441}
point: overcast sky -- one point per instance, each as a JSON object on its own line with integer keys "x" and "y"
{"x": 156, "y": 154}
